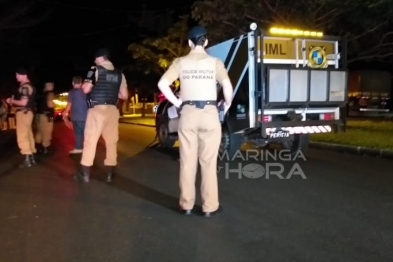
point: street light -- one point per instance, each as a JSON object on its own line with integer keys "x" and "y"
{"x": 253, "y": 26}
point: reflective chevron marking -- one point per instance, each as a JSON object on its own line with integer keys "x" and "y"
{"x": 303, "y": 129}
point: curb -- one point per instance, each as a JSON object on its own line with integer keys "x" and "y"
{"x": 356, "y": 150}
{"x": 138, "y": 124}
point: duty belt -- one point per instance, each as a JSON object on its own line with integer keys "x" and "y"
{"x": 200, "y": 104}
{"x": 97, "y": 103}
{"x": 25, "y": 110}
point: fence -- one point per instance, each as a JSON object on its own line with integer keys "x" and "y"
{"x": 138, "y": 109}
{"x": 10, "y": 122}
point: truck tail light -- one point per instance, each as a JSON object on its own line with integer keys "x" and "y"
{"x": 265, "y": 118}
{"x": 327, "y": 116}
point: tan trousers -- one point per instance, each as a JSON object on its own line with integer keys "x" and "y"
{"x": 199, "y": 139}
{"x": 24, "y": 133}
{"x": 101, "y": 120}
{"x": 44, "y": 130}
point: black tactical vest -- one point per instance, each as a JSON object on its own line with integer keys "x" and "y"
{"x": 42, "y": 104}
{"x": 32, "y": 98}
{"x": 106, "y": 88}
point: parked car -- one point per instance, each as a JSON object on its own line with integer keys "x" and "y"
{"x": 59, "y": 114}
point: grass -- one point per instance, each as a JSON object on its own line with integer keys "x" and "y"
{"x": 365, "y": 133}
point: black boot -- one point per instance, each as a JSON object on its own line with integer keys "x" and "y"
{"x": 45, "y": 150}
{"x": 39, "y": 148}
{"x": 218, "y": 211}
{"x": 32, "y": 159}
{"x": 83, "y": 175}
{"x": 109, "y": 173}
{"x": 26, "y": 163}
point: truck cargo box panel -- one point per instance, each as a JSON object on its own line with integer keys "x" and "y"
{"x": 304, "y": 85}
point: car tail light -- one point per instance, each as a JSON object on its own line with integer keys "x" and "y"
{"x": 327, "y": 116}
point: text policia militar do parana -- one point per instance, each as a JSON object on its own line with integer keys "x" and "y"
{"x": 198, "y": 74}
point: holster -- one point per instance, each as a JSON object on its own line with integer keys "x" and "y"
{"x": 49, "y": 115}
{"x": 221, "y": 112}
{"x": 89, "y": 103}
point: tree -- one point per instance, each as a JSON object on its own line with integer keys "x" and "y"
{"x": 153, "y": 22}
{"x": 154, "y": 55}
{"x": 365, "y": 23}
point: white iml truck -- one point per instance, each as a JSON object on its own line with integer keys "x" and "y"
{"x": 288, "y": 83}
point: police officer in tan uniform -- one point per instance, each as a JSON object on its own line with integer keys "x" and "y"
{"x": 104, "y": 86}
{"x": 44, "y": 118}
{"x": 199, "y": 124}
{"x": 24, "y": 103}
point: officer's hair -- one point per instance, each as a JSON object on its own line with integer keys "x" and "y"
{"x": 199, "y": 40}
{"x": 77, "y": 80}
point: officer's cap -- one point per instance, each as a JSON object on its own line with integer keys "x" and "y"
{"x": 196, "y": 32}
{"x": 102, "y": 52}
{"x": 21, "y": 71}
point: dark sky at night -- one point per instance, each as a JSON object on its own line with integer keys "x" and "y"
{"x": 64, "y": 43}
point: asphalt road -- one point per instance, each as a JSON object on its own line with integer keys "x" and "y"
{"x": 341, "y": 212}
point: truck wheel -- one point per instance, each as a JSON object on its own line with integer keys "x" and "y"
{"x": 298, "y": 142}
{"x": 163, "y": 134}
{"x": 230, "y": 144}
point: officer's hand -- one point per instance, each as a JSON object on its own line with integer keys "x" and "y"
{"x": 9, "y": 100}
{"x": 178, "y": 105}
{"x": 226, "y": 107}
{"x": 178, "y": 110}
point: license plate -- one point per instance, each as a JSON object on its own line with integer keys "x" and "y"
{"x": 279, "y": 134}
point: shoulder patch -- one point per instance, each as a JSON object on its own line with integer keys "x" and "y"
{"x": 25, "y": 90}
{"x": 90, "y": 74}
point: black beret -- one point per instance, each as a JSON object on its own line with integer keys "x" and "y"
{"x": 102, "y": 52}
{"x": 22, "y": 71}
{"x": 197, "y": 32}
